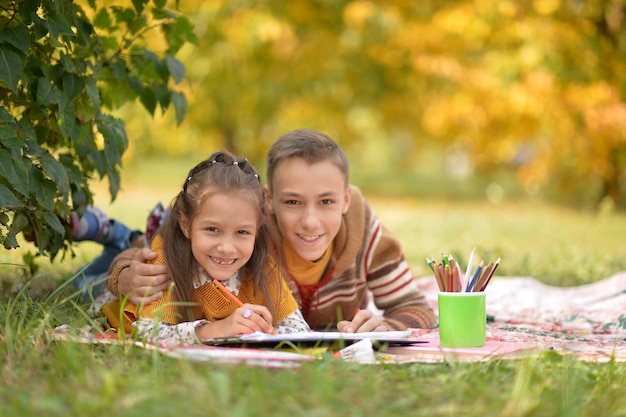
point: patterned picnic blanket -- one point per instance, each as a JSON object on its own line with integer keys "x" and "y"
{"x": 587, "y": 321}
{"x": 526, "y": 317}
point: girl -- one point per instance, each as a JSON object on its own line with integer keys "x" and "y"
{"x": 215, "y": 231}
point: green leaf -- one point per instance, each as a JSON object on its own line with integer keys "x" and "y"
{"x": 44, "y": 190}
{"x": 160, "y": 3}
{"x": 85, "y": 31}
{"x": 10, "y": 241}
{"x": 15, "y": 172}
{"x": 18, "y": 36}
{"x": 115, "y": 139}
{"x": 123, "y": 14}
{"x": 163, "y": 95}
{"x": 79, "y": 198}
{"x": 8, "y": 129}
{"x": 103, "y": 19}
{"x": 139, "y": 5}
{"x": 31, "y": 147}
{"x": 73, "y": 85}
{"x": 67, "y": 120}
{"x": 58, "y": 25}
{"x": 148, "y": 99}
{"x": 6, "y": 117}
{"x": 157, "y": 65}
{"x": 19, "y": 223}
{"x": 138, "y": 24}
{"x": 180, "y": 106}
{"x": 8, "y": 199}
{"x": 11, "y": 66}
{"x": 178, "y": 33}
{"x": 56, "y": 172}
{"x": 93, "y": 93}
{"x": 41, "y": 26}
{"x": 176, "y": 68}
{"x": 28, "y": 9}
{"x": 53, "y": 220}
{"x": 46, "y": 93}
{"x": 114, "y": 183}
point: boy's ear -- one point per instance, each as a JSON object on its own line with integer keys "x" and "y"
{"x": 347, "y": 196}
{"x": 183, "y": 222}
{"x": 268, "y": 199}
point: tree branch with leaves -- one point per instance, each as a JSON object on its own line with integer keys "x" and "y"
{"x": 62, "y": 67}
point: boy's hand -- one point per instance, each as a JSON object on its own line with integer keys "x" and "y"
{"x": 144, "y": 282}
{"x": 363, "y": 321}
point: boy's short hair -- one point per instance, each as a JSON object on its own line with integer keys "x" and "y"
{"x": 308, "y": 144}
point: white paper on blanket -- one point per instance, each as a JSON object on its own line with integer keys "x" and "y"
{"x": 312, "y": 337}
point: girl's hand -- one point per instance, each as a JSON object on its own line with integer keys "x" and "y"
{"x": 363, "y": 321}
{"x": 248, "y": 318}
{"x": 252, "y": 318}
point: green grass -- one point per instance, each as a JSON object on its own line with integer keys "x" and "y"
{"x": 557, "y": 245}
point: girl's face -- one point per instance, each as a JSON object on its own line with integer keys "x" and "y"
{"x": 309, "y": 201}
{"x": 223, "y": 232}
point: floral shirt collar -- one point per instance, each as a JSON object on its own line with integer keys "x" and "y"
{"x": 232, "y": 284}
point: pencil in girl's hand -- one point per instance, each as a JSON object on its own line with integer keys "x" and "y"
{"x": 227, "y": 293}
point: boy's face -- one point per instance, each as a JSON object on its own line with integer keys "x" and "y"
{"x": 309, "y": 201}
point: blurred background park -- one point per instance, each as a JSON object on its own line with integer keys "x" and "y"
{"x": 491, "y": 123}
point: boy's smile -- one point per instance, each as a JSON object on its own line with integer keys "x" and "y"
{"x": 309, "y": 201}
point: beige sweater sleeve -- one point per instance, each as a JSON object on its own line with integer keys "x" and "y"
{"x": 121, "y": 261}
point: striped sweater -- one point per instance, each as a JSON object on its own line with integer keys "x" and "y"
{"x": 366, "y": 257}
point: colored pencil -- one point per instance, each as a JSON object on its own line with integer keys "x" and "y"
{"x": 468, "y": 270}
{"x": 475, "y": 277}
{"x": 450, "y": 277}
{"x": 227, "y": 293}
{"x": 495, "y": 266}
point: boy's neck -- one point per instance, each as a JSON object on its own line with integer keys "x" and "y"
{"x": 302, "y": 270}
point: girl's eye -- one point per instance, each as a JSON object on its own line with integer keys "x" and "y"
{"x": 291, "y": 202}
{"x": 211, "y": 229}
{"x": 243, "y": 232}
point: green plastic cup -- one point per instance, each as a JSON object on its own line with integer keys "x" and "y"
{"x": 462, "y": 319}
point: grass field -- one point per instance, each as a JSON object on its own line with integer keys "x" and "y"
{"x": 557, "y": 245}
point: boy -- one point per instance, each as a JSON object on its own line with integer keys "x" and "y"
{"x": 328, "y": 239}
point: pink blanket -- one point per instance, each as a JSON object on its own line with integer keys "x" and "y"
{"x": 527, "y": 317}
{"x": 587, "y": 321}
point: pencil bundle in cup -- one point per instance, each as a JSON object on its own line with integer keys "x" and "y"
{"x": 450, "y": 278}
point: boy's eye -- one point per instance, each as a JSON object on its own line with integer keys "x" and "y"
{"x": 211, "y": 229}
{"x": 326, "y": 201}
